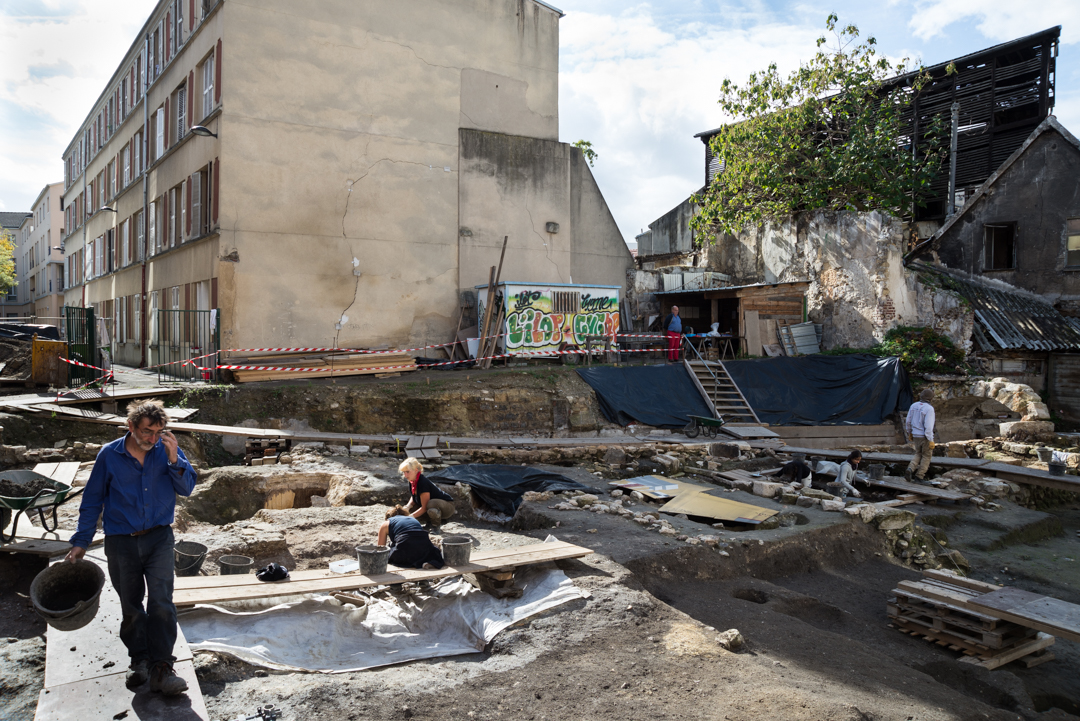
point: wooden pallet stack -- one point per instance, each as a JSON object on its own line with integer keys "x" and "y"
{"x": 333, "y": 363}
{"x": 938, "y": 609}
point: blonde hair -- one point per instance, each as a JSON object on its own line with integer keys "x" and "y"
{"x": 410, "y": 464}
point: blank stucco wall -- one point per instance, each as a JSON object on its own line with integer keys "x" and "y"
{"x": 339, "y": 158}
{"x": 599, "y": 252}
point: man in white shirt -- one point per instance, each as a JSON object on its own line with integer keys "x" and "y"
{"x": 919, "y": 427}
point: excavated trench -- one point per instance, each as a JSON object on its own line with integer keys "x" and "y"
{"x": 834, "y": 583}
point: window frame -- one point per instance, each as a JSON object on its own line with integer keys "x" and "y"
{"x": 1073, "y": 232}
{"x": 988, "y": 256}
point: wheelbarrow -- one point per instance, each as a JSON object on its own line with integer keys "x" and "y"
{"x": 697, "y": 424}
{"x": 47, "y": 498}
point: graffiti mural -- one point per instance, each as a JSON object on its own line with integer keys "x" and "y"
{"x": 546, "y": 318}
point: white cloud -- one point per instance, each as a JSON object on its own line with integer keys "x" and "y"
{"x": 55, "y": 58}
{"x": 999, "y": 20}
{"x": 640, "y": 90}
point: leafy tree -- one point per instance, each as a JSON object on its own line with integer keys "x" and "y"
{"x": 7, "y": 261}
{"x": 586, "y": 148}
{"x": 831, "y": 135}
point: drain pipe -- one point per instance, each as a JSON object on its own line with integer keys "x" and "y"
{"x": 145, "y": 151}
{"x": 952, "y": 159}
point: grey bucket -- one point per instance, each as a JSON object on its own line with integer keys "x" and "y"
{"x": 1045, "y": 454}
{"x": 66, "y": 594}
{"x": 189, "y": 557}
{"x": 235, "y": 565}
{"x": 875, "y": 471}
{"x": 1056, "y": 469}
{"x": 372, "y": 559}
{"x": 456, "y": 550}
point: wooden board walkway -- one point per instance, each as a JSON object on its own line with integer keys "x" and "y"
{"x": 1016, "y": 474}
{"x": 33, "y": 539}
{"x": 84, "y": 396}
{"x": 218, "y": 589}
{"x": 85, "y": 671}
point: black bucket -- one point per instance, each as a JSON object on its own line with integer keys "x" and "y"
{"x": 235, "y": 565}
{"x": 66, "y": 594}
{"x": 876, "y": 471}
{"x": 189, "y": 557}
{"x": 1056, "y": 469}
{"x": 457, "y": 550}
{"x": 372, "y": 559}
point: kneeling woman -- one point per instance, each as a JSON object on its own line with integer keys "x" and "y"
{"x": 411, "y": 547}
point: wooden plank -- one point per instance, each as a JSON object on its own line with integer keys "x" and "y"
{"x": 38, "y": 547}
{"x": 212, "y": 589}
{"x": 63, "y": 472}
{"x": 1044, "y": 613}
{"x": 493, "y": 559}
{"x": 752, "y": 328}
{"x": 795, "y": 432}
{"x": 996, "y": 661}
{"x": 85, "y": 673}
{"x": 916, "y": 488}
{"x": 348, "y": 582}
{"x": 429, "y": 441}
{"x": 743, "y": 431}
{"x": 955, "y": 579}
{"x": 106, "y": 697}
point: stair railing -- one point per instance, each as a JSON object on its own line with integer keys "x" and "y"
{"x": 716, "y": 381}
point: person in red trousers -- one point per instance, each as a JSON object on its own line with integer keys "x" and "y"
{"x": 672, "y": 325}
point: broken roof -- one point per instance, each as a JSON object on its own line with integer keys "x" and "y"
{"x": 1050, "y": 124}
{"x": 1008, "y": 318}
{"x": 731, "y": 287}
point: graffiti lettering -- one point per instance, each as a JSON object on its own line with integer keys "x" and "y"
{"x": 592, "y": 305}
{"x": 525, "y": 299}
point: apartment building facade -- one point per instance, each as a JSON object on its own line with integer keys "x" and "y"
{"x": 361, "y": 165}
{"x": 16, "y": 227}
{"x": 42, "y": 263}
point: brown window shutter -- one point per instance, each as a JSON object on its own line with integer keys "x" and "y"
{"x": 191, "y": 99}
{"x": 191, "y": 15}
{"x": 217, "y": 74}
{"x": 217, "y": 193}
{"x": 213, "y": 294}
{"x": 166, "y": 120}
{"x": 187, "y": 215}
{"x": 168, "y": 35}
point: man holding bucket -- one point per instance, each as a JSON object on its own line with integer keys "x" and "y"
{"x": 134, "y": 483}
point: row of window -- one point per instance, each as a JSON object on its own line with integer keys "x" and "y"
{"x": 168, "y": 125}
{"x": 184, "y": 212}
{"x": 160, "y": 47}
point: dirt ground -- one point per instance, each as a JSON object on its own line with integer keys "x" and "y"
{"x": 809, "y": 599}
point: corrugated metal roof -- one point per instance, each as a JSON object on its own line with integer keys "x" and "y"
{"x": 1010, "y": 321}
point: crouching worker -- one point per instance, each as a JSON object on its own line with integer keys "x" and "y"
{"x": 796, "y": 471}
{"x": 411, "y": 547}
{"x": 428, "y": 502}
{"x": 134, "y": 483}
{"x": 842, "y": 485}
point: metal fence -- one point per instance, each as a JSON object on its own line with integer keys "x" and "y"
{"x": 181, "y": 335}
{"x": 82, "y": 344}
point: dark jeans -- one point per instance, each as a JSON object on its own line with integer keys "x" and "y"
{"x": 143, "y": 566}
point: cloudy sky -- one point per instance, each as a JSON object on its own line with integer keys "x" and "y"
{"x": 638, "y": 80}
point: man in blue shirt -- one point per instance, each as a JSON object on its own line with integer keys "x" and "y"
{"x": 134, "y": 483}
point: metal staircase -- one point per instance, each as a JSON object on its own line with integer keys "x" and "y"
{"x": 727, "y": 400}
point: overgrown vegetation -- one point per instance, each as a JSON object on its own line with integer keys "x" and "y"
{"x": 921, "y": 350}
{"x": 831, "y": 135}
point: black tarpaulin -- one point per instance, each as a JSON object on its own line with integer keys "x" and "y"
{"x": 823, "y": 390}
{"x": 501, "y": 487}
{"x": 661, "y": 396}
{"x": 26, "y": 331}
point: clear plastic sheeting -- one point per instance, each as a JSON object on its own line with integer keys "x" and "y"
{"x": 321, "y": 634}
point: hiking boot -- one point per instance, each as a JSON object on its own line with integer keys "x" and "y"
{"x": 138, "y": 674}
{"x": 164, "y": 680}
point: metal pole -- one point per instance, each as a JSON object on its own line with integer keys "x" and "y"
{"x": 952, "y": 158}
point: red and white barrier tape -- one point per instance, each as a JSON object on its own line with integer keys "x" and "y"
{"x": 103, "y": 379}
